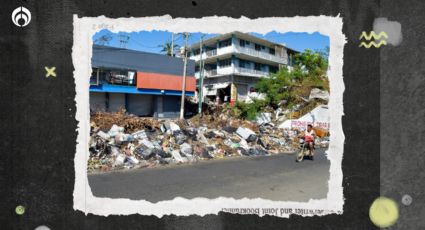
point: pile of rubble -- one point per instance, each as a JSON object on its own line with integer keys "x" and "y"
{"x": 124, "y": 141}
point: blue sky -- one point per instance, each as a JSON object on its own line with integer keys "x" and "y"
{"x": 150, "y": 41}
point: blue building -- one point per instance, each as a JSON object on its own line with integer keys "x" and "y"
{"x": 145, "y": 84}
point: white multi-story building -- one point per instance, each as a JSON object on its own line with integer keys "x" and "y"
{"x": 234, "y": 62}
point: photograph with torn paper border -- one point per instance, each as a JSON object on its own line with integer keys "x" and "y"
{"x": 190, "y": 114}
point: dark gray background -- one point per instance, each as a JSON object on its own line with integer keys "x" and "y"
{"x": 383, "y": 105}
{"x": 403, "y": 113}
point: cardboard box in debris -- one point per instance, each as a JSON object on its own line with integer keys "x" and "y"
{"x": 133, "y": 142}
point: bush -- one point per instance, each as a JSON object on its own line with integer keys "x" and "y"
{"x": 248, "y": 111}
{"x": 316, "y": 82}
{"x": 276, "y": 87}
{"x": 309, "y": 72}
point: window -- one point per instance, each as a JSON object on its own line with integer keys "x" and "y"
{"x": 272, "y": 51}
{"x": 241, "y": 42}
{"x": 243, "y": 63}
{"x": 115, "y": 77}
{"x": 100, "y": 76}
{"x": 225, "y": 63}
{"x": 257, "y": 66}
{"x": 257, "y": 47}
{"x": 94, "y": 78}
{"x": 273, "y": 69}
{"x": 225, "y": 43}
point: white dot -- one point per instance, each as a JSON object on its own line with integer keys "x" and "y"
{"x": 42, "y": 227}
{"x": 406, "y": 199}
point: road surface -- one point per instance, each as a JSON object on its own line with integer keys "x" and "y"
{"x": 274, "y": 177}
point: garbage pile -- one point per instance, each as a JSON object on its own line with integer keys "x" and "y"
{"x": 123, "y": 141}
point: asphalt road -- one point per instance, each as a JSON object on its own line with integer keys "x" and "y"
{"x": 274, "y": 177}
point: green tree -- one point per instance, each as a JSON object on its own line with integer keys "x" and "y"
{"x": 309, "y": 72}
{"x": 314, "y": 63}
{"x": 277, "y": 86}
{"x": 166, "y": 48}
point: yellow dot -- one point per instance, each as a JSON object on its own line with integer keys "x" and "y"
{"x": 383, "y": 212}
{"x": 20, "y": 210}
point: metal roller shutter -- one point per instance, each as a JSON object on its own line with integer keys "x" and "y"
{"x": 140, "y": 105}
{"x": 116, "y": 102}
{"x": 97, "y": 102}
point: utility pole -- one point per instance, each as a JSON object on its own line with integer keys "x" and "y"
{"x": 184, "y": 79}
{"x": 172, "y": 44}
{"x": 201, "y": 79}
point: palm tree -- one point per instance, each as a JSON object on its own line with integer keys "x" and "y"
{"x": 166, "y": 48}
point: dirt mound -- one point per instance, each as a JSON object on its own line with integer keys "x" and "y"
{"x": 131, "y": 123}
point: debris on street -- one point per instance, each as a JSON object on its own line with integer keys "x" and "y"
{"x": 122, "y": 141}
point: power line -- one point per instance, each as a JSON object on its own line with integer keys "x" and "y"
{"x": 150, "y": 47}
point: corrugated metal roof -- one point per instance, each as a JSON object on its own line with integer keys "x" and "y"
{"x": 119, "y": 58}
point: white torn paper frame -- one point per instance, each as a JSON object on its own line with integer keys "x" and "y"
{"x": 86, "y": 27}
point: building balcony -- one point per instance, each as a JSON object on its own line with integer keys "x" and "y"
{"x": 206, "y": 73}
{"x": 232, "y": 70}
{"x": 251, "y": 72}
{"x": 260, "y": 54}
{"x": 236, "y": 49}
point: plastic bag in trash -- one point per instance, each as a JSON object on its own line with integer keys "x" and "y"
{"x": 206, "y": 154}
{"x": 229, "y": 129}
{"x": 120, "y": 159}
{"x": 115, "y": 129}
{"x": 174, "y": 127}
{"x": 114, "y": 150}
{"x": 180, "y": 137}
{"x": 186, "y": 149}
{"x": 176, "y": 155}
{"x": 191, "y": 132}
{"x": 161, "y": 153}
{"x": 263, "y": 118}
{"x": 164, "y": 160}
{"x": 132, "y": 160}
{"x": 147, "y": 143}
{"x": 246, "y": 134}
{"x": 263, "y": 143}
{"x": 163, "y": 128}
{"x": 242, "y": 151}
{"x": 145, "y": 153}
{"x": 103, "y": 135}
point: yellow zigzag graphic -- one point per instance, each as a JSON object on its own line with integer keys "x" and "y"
{"x": 372, "y": 43}
{"x": 372, "y": 34}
